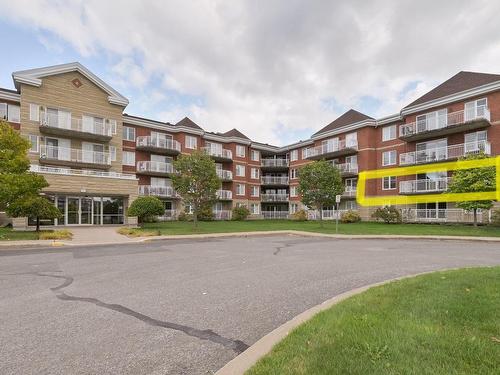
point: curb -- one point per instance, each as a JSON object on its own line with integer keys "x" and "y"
{"x": 244, "y": 361}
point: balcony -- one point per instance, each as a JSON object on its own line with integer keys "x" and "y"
{"x": 224, "y": 195}
{"x": 327, "y": 214}
{"x": 224, "y": 175}
{"x": 347, "y": 169}
{"x": 422, "y": 186}
{"x": 271, "y": 197}
{"x": 162, "y": 146}
{"x": 448, "y": 215}
{"x": 73, "y": 157}
{"x": 218, "y": 154}
{"x": 52, "y": 124}
{"x": 274, "y": 164}
{"x": 158, "y": 191}
{"x": 349, "y": 192}
{"x": 154, "y": 168}
{"x": 455, "y": 122}
{"x": 81, "y": 172}
{"x": 275, "y": 214}
{"x": 331, "y": 150}
{"x": 274, "y": 180}
{"x": 222, "y": 215}
{"x": 444, "y": 153}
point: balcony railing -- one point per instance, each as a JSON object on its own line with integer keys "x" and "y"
{"x": 275, "y": 214}
{"x": 274, "y": 180}
{"x": 224, "y": 194}
{"x": 444, "y": 153}
{"x": 158, "y": 191}
{"x": 327, "y": 214}
{"x": 218, "y": 153}
{"x": 155, "y": 167}
{"x": 444, "y": 121}
{"x": 274, "y": 162}
{"x": 222, "y": 215}
{"x": 168, "y": 215}
{"x": 270, "y": 197}
{"x": 80, "y": 172}
{"x": 53, "y": 120}
{"x": 349, "y": 191}
{"x": 424, "y": 185}
{"x": 224, "y": 175}
{"x": 329, "y": 148}
{"x": 74, "y": 155}
{"x": 451, "y": 215}
{"x": 148, "y": 141}
{"x": 347, "y": 168}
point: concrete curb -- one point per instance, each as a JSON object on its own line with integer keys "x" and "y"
{"x": 263, "y": 346}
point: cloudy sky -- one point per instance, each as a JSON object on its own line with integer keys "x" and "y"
{"x": 276, "y": 70}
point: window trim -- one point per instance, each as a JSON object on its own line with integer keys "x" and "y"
{"x": 395, "y": 183}
{"x": 390, "y": 152}
{"x": 126, "y": 152}
{"x": 189, "y": 144}
{"x": 391, "y": 138}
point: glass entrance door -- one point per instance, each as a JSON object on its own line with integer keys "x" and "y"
{"x": 85, "y": 210}
{"x": 79, "y": 211}
{"x": 73, "y": 211}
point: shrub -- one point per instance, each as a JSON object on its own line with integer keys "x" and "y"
{"x": 390, "y": 215}
{"x": 300, "y": 215}
{"x": 240, "y": 213}
{"x": 350, "y": 216}
{"x": 183, "y": 216}
{"x": 206, "y": 213}
{"x": 495, "y": 217}
{"x": 146, "y": 209}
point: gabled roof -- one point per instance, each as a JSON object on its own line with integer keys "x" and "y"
{"x": 34, "y": 77}
{"x": 461, "y": 81}
{"x": 350, "y": 117}
{"x": 234, "y": 133}
{"x": 188, "y": 123}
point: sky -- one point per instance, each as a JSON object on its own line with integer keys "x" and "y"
{"x": 276, "y": 70}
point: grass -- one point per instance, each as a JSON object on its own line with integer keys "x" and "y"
{"x": 183, "y": 227}
{"x": 441, "y": 323}
{"x": 62, "y": 234}
{"x": 7, "y": 234}
{"x": 138, "y": 232}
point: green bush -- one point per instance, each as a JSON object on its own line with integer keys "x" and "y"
{"x": 350, "y": 216}
{"x": 300, "y": 215}
{"x": 240, "y": 213}
{"x": 146, "y": 209}
{"x": 183, "y": 216}
{"x": 206, "y": 213}
{"x": 390, "y": 215}
{"x": 495, "y": 217}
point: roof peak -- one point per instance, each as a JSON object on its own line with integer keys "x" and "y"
{"x": 349, "y": 117}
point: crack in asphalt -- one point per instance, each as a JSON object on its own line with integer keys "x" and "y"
{"x": 279, "y": 248}
{"x": 237, "y": 346}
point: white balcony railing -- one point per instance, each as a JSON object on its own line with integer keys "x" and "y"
{"x": 158, "y": 191}
{"x": 327, "y": 214}
{"x": 444, "y": 153}
{"x": 74, "y": 155}
{"x": 224, "y": 175}
{"x": 274, "y": 180}
{"x": 222, "y": 214}
{"x": 328, "y": 148}
{"x": 275, "y": 214}
{"x": 158, "y": 142}
{"x": 168, "y": 215}
{"x": 424, "y": 185}
{"x": 347, "y": 168}
{"x": 155, "y": 167}
{"x": 270, "y": 197}
{"x": 224, "y": 194}
{"x": 349, "y": 191}
{"x": 444, "y": 121}
{"x": 217, "y": 152}
{"x": 452, "y": 215}
{"x": 274, "y": 162}
{"x": 81, "y": 172}
{"x": 98, "y": 127}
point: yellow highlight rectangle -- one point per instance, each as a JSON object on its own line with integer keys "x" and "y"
{"x": 424, "y": 198}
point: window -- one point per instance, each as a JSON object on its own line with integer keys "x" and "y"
{"x": 34, "y": 112}
{"x": 14, "y": 113}
{"x": 389, "y": 133}
{"x": 34, "y": 143}
{"x": 128, "y": 133}
{"x": 112, "y": 153}
{"x": 305, "y": 152}
{"x": 254, "y": 172}
{"x": 240, "y": 170}
{"x": 240, "y": 204}
{"x": 294, "y": 173}
{"x": 240, "y": 151}
{"x": 254, "y": 155}
{"x": 191, "y": 142}
{"x": 294, "y": 155}
{"x": 254, "y": 208}
{"x": 294, "y": 207}
{"x": 351, "y": 140}
{"x": 432, "y": 120}
{"x": 254, "y": 192}
{"x": 293, "y": 191}
{"x": 240, "y": 189}
{"x": 112, "y": 125}
{"x": 389, "y": 158}
{"x": 389, "y": 183}
{"x": 476, "y": 141}
{"x": 3, "y": 111}
{"x": 476, "y": 109}
{"x": 351, "y": 205}
{"x": 128, "y": 158}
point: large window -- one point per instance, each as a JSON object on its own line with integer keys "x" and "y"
{"x": 254, "y": 155}
{"x": 254, "y": 173}
{"x": 240, "y": 151}
{"x": 389, "y": 158}
{"x": 389, "y": 183}
{"x": 254, "y": 192}
{"x": 240, "y": 170}
{"x": 128, "y": 158}
{"x": 128, "y": 133}
{"x": 191, "y": 142}
{"x": 294, "y": 155}
{"x": 34, "y": 140}
{"x": 112, "y": 210}
{"x": 13, "y": 113}
{"x": 240, "y": 189}
{"x": 389, "y": 133}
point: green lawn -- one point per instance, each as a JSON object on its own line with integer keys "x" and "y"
{"x": 182, "y": 227}
{"x": 442, "y": 323}
{"x": 7, "y": 234}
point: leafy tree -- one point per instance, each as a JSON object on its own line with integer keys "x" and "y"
{"x": 196, "y": 181}
{"x": 35, "y": 207}
{"x": 146, "y": 208}
{"x": 16, "y": 182}
{"x": 319, "y": 183}
{"x": 471, "y": 181}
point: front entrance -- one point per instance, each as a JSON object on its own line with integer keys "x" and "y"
{"x": 80, "y": 211}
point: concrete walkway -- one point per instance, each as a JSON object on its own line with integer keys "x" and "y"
{"x": 97, "y": 235}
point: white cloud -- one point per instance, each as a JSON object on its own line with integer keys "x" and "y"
{"x": 267, "y": 67}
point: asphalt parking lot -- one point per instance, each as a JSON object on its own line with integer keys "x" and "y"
{"x": 186, "y": 306}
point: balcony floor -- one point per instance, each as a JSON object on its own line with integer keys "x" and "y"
{"x": 158, "y": 150}
{"x": 68, "y": 133}
{"x": 466, "y": 126}
{"x": 334, "y": 154}
{"x": 71, "y": 163}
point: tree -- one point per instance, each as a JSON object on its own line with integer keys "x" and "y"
{"x": 196, "y": 181}
{"x": 16, "y": 182}
{"x": 146, "y": 208}
{"x": 319, "y": 184}
{"x": 34, "y": 207}
{"x": 471, "y": 181}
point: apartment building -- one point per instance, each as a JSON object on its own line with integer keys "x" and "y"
{"x": 98, "y": 159}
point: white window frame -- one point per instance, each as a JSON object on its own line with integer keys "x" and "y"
{"x": 128, "y": 158}
{"x": 191, "y": 142}
{"x": 389, "y": 179}
{"x": 240, "y": 187}
{"x": 254, "y": 155}
{"x": 390, "y": 160}
{"x": 254, "y": 191}
{"x": 254, "y": 173}
{"x": 127, "y": 132}
{"x": 254, "y": 208}
{"x": 5, "y": 111}
{"x": 293, "y": 191}
{"x": 240, "y": 170}
{"x": 112, "y": 153}
{"x": 294, "y": 155}
{"x": 475, "y": 113}
{"x": 32, "y": 137}
{"x": 10, "y": 117}
{"x": 240, "y": 151}
{"x": 389, "y": 133}
{"x": 34, "y": 112}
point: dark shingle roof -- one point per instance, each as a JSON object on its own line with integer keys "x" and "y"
{"x": 234, "y": 133}
{"x": 350, "y": 117}
{"x": 459, "y": 82}
{"x": 187, "y": 122}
